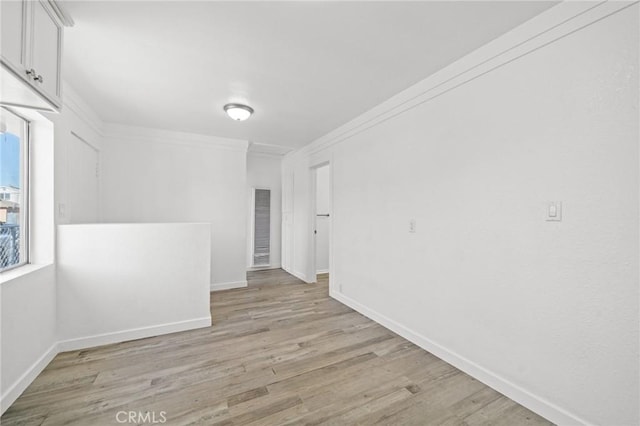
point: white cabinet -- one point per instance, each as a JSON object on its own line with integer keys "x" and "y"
{"x": 13, "y": 15}
{"x": 46, "y": 49}
{"x": 31, "y": 54}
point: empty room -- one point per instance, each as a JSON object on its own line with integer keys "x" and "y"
{"x": 319, "y": 212}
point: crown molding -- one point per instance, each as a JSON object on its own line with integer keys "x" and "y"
{"x": 268, "y": 150}
{"x": 81, "y": 109}
{"x": 61, "y": 12}
{"x": 125, "y": 133}
{"x": 267, "y": 156}
{"x": 561, "y": 20}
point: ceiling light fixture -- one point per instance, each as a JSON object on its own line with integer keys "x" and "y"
{"x": 238, "y": 112}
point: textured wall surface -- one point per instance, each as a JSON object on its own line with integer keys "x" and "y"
{"x": 549, "y": 308}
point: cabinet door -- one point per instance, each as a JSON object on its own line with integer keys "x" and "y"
{"x": 13, "y": 33}
{"x": 46, "y": 49}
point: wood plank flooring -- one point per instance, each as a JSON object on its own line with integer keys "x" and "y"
{"x": 279, "y": 352}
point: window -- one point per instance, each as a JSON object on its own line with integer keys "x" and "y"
{"x": 262, "y": 227}
{"x": 13, "y": 189}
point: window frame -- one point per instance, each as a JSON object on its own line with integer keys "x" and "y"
{"x": 25, "y": 150}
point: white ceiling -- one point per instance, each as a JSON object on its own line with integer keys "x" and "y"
{"x": 305, "y": 67}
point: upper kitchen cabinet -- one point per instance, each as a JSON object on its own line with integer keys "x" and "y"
{"x": 13, "y": 16}
{"x": 31, "y": 53}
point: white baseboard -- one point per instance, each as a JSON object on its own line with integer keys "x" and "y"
{"x": 132, "y": 334}
{"x": 522, "y": 396}
{"x": 227, "y": 285}
{"x": 263, "y": 268}
{"x": 300, "y": 276}
{"x": 322, "y": 271}
{"x": 16, "y": 389}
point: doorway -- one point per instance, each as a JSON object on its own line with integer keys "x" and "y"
{"x": 322, "y": 228}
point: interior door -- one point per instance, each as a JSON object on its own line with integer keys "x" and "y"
{"x": 83, "y": 195}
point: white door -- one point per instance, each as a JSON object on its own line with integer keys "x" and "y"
{"x": 83, "y": 182}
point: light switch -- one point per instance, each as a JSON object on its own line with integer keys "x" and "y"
{"x": 554, "y": 211}
{"x": 412, "y": 226}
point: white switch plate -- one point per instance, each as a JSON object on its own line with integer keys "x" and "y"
{"x": 412, "y": 226}
{"x": 554, "y": 211}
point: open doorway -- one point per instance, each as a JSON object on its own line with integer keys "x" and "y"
{"x": 322, "y": 229}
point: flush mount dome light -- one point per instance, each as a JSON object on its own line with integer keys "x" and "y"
{"x": 238, "y": 112}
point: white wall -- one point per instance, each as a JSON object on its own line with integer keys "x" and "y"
{"x": 297, "y": 217}
{"x": 263, "y": 172}
{"x": 78, "y": 129}
{"x": 322, "y": 222}
{"x": 28, "y": 293}
{"x": 126, "y": 281}
{"x": 160, "y": 176}
{"x": 545, "y": 312}
{"x": 28, "y": 336}
{"x": 82, "y": 177}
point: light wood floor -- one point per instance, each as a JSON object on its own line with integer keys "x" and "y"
{"x": 279, "y": 352}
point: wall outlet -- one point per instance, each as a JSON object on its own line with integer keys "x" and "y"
{"x": 412, "y": 226}
{"x": 62, "y": 210}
